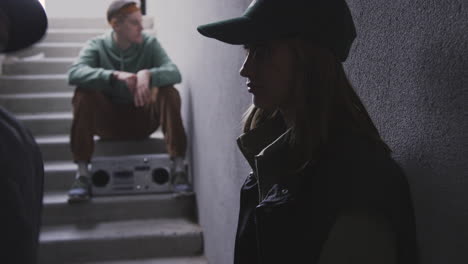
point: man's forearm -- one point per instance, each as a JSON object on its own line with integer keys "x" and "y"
{"x": 144, "y": 77}
{"x": 165, "y": 75}
{"x": 88, "y": 77}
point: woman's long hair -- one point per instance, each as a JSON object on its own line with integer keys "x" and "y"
{"x": 324, "y": 101}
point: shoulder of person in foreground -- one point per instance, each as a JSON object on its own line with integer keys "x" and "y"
{"x": 375, "y": 206}
{"x": 359, "y": 237}
{"x": 21, "y": 190}
{"x": 360, "y": 167}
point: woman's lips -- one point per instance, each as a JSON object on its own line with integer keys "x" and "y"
{"x": 251, "y": 87}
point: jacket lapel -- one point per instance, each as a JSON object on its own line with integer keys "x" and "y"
{"x": 253, "y": 142}
{"x": 267, "y": 150}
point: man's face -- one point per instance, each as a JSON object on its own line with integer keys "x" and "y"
{"x": 130, "y": 29}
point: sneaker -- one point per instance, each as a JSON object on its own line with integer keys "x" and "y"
{"x": 180, "y": 183}
{"x": 80, "y": 190}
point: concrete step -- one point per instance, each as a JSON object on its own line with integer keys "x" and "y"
{"x": 57, "y": 147}
{"x": 116, "y": 208}
{"x": 43, "y": 124}
{"x": 190, "y": 260}
{"x": 52, "y": 50}
{"x": 94, "y": 22}
{"x": 38, "y": 66}
{"x": 58, "y": 176}
{"x": 27, "y": 103}
{"x": 156, "y": 238}
{"x": 78, "y": 35}
{"x": 12, "y": 84}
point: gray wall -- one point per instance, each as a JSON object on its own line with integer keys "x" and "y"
{"x": 214, "y": 99}
{"x": 410, "y": 66}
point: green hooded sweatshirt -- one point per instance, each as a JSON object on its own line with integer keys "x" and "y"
{"x": 101, "y": 56}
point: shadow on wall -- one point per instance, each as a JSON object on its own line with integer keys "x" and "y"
{"x": 438, "y": 166}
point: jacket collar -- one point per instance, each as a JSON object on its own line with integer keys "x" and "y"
{"x": 267, "y": 150}
{"x": 111, "y": 45}
{"x": 254, "y": 141}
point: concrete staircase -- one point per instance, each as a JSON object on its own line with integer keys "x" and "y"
{"x": 158, "y": 228}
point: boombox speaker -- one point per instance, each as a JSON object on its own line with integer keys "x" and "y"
{"x": 135, "y": 174}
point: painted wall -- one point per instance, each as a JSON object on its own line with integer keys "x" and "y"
{"x": 214, "y": 99}
{"x": 410, "y": 66}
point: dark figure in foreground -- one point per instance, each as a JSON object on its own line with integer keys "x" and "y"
{"x": 22, "y": 22}
{"x": 324, "y": 188}
{"x": 124, "y": 91}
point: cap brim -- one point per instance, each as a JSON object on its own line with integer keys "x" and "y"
{"x": 236, "y": 31}
{"x": 28, "y": 22}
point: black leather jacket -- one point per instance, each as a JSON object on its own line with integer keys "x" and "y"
{"x": 21, "y": 192}
{"x": 286, "y": 217}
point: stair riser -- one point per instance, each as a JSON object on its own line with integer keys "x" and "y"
{"x": 95, "y": 212}
{"x": 114, "y": 249}
{"x": 71, "y": 36}
{"x": 61, "y": 151}
{"x": 183, "y": 260}
{"x": 36, "y": 67}
{"x": 50, "y": 52}
{"x": 72, "y": 23}
{"x": 58, "y": 180}
{"x": 49, "y": 126}
{"x": 56, "y": 152}
{"x": 29, "y": 85}
{"x": 35, "y": 105}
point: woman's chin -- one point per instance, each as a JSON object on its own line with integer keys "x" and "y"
{"x": 261, "y": 104}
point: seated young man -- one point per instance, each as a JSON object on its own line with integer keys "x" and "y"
{"x": 124, "y": 91}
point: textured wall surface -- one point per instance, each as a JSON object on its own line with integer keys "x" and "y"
{"x": 410, "y": 66}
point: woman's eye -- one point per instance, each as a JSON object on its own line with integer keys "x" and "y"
{"x": 259, "y": 52}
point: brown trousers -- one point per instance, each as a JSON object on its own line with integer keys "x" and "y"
{"x": 95, "y": 114}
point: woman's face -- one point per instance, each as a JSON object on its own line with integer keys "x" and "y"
{"x": 268, "y": 68}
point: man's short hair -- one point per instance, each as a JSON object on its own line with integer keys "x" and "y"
{"x": 118, "y": 9}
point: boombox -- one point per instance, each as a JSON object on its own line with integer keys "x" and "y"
{"x": 136, "y": 174}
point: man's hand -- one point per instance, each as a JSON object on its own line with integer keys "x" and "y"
{"x": 130, "y": 79}
{"x": 142, "y": 95}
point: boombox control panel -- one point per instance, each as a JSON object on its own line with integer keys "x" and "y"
{"x": 135, "y": 174}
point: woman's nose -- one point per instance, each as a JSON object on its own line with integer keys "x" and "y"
{"x": 246, "y": 69}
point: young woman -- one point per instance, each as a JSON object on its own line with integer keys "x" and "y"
{"x": 324, "y": 188}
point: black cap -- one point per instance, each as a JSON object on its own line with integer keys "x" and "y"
{"x": 116, "y": 5}
{"x": 327, "y": 22}
{"x": 27, "y": 23}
